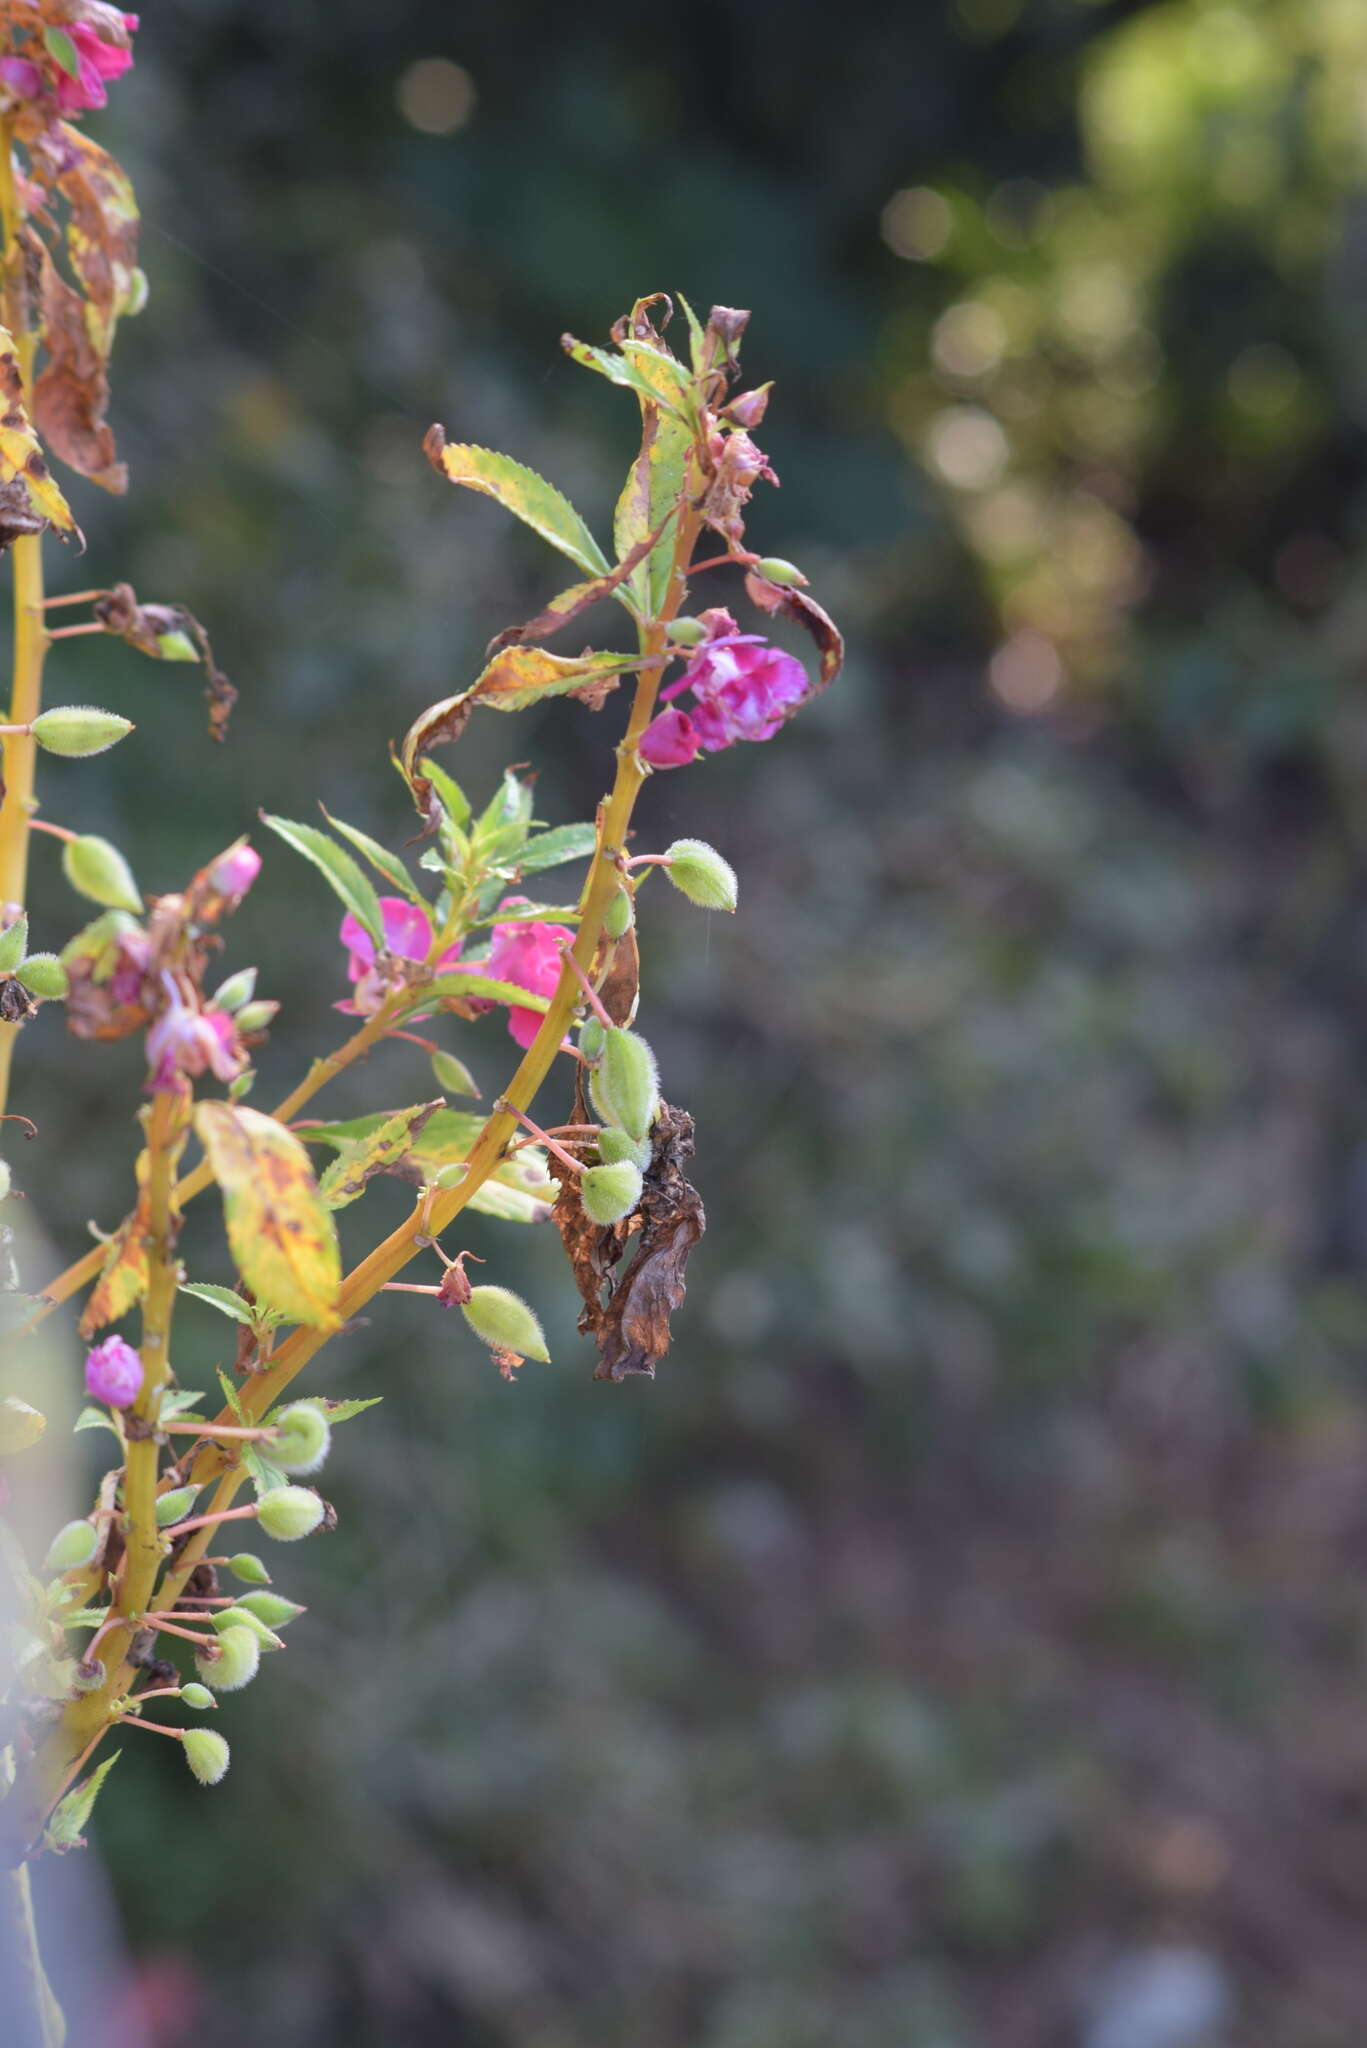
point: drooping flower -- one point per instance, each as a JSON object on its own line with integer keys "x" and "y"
{"x": 737, "y": 466}
{"x": 408, "y": 935}
{"x": 185, "y": 1041}
{"x": 527, "y": 954}
{"x": 113, "y": 1373}
{"x": 96, "y": 62}
{"x": 743, "y": 689}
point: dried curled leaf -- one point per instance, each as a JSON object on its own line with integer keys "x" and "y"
{"x": 71, "y": 395}
{"x": 281, "y": 1236}
{"x": 123, "y": 1276}
{"x": 804, "y": 611}
{"x": 31, "y": 499}
{"x": 168, "y": 632}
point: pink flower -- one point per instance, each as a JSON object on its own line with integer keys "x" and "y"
{"x": 24, "y": 80}
{"x": 407, "y": 936}
{"x": 113, "y": 1373}
{"x": 185, "y": 1042}
{"x": 743, "y": 689}
{"x": 527, "y": 954}
{"x": 234, "y": 874}
{"x": 96, "y": 61}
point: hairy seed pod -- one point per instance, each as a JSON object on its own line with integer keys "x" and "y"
{"x": 237, "y": 1663}
{"x": 175, "y": 1506}
{"x": 624, "y": 1084}
{"x": 305, "y": 1437}
{"x": 44, "y": 976}
{"x": 13, "y": 944}
{"x": 272, "y": 1608}
{"x": 698, "y": 872}
{"x": 592, "y": 1039}
{"x": 505, "y": 1322}
{"x": 688, "y": 632}
{"x": 618, "y": 918}
{"x": 290, "y": 1512}
{"x": 97, "y": 870}
{"x": 224, "y": 1618}
{"x": 610, "y": 1192}
{"x": 79, "y": 730}
{"x": 206, "y": 1753}
{"x": 614, "y": 1145}
{"x": 197, "y": 1696}
{"x": 249, "y": 1568}
{"x": 71, "y": 1548}
{"x": 238, "y": 989}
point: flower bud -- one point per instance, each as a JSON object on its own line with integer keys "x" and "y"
{"x": 505, "y": 1322}
{"x": 43, "y": 975}
{"x": 624, "y": 1084}
{"x": 238, "y": 989}
{"x": 78, "y": 730}
{"x": 305, "y": 1437}
{"x": 698, "y": 872}
{"x": 249, "y": 1568}
{"x": 618, "y": 918}
{"x": 688, "y": 632}
{"x": 748, "y": 408}
{"x": 256, "y": 1016}
{"x": 225, "y": 1618}
{"x": 610, "y": 1192}
{"x": 452, "y": 1076}
{"x": 237, "y": 1662}
{"x": 198, "y": 1696}
{"x": 176, "y": 646}
{"x": 71, "y": 1548}
{"x": 98, "y": 870}
{"x": 13, "y": 944}
{"x": 592, "y": 1039}
{"x": 614, "y": 1145}
{"x": 206, "y": 1753}
{"x": 233, "y": 873}
{"x": 272, "y": 1608}
{"x": 290, "y": 1512}
{"x": 113, "y": 1372}
{"x": 176, "y": 1505}
{"x": 774, "y": 569}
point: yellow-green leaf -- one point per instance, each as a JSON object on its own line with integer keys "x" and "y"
{"x": 345, "y": 1179}
{"x": 281, "y": 1236}
{"x": 123, "y": 1276}
{"x": 20, "y": 1426}
{"x": 519, "y": 1189}
{"x": 22, "y": 462}
{"x": 519, "y": 490}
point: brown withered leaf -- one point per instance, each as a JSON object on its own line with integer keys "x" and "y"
{"x": 804, "y": 611}
{"x": 71, "y": 396}
{"x": 631, "y": 1325}
{"x": 17, "y": 516}
{"x": 102, "y": 225}
{"x": 570, "y": 603}
{"x": 620, "y": 986}
{"x": 16, "y": 1004}
{"x": 123, "y": 1276}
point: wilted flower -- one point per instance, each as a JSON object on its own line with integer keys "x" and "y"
{"x": 407, "y": 936}
{"x": 186, "y": 1041}
{"x": 113, "y": 1373}
{"x": 527, "y": 954}
{"x": 743, "y": 689}
{"x": 737, "y": 466}
{"x": 96, "y": 62}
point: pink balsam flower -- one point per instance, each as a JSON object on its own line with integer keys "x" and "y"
{"x": 527, "y": 954}
{"x": 113, "y": 1373}
{"x": 96, "y": 62}
{"x": 743, "y": 689}
{"x": 408, "y": 935}
{"x": 185, "y": 1042}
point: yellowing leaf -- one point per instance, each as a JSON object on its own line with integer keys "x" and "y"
{"x": 24, "y": 474}
{"x": 20, "y": 1426}
{"x": 379, "y": 1152}
{"x": 518, "y": 1190}
{"x": 519, "y": 490}
{"x": 281, "y": 1236}
{"x": 123, "y": 1276}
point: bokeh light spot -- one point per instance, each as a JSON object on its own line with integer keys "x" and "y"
{"x": 917, "y": 223}
{"x": 967, "y": 447}
{"x": 1026, "y": 672}
{"x": 436, "y": 95}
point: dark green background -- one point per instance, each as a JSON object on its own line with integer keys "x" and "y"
{"x": 961, "y": 1645}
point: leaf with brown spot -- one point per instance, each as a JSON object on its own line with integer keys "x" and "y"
{"x": 24, "y": 473}
{"x": 379, "y": 1152}
{"x": 102, "y": 226}
{"x": 71, "y": 395}
{"x": 578, "y": 598}
{"x": 804, "y": 611}
{"x": 282, "y": 1238}
{"x": 517, "y": 1191}
{"x": 123, "y": 1276}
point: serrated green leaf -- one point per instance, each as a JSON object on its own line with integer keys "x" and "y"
{"x": 472, "y": 984}
{"x": 85, "y": 1617}
{"x": 652, "y": 373}
{"x": 342, "y": 1411}
{"x": 696, "y": 338}
{"x": 381, "y": 859}
{"x": 339, "y": 870}
{"x": 222, "y": 1298}
{"x": 13, "y": 944}
{"x": 345, "y": 1180}
{"x": 265, "y": 1476}
{"x": 561, "y": 843}
{"x": 95, "y": 1418}
{"x": 71, "y": 1815}
{"x": 179, "y": 1401}
{"x": 454, "y": 801}
{"x": 520, "y": 491}
{"x": 518, "y": 1191}
{"x": 530, "y": 913}
{"x": 231, "y": 1396}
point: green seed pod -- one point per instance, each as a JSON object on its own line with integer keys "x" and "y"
{"x": 610, "y": 1192}
{"x": 71, "y": 1548}
{"x": 79, "y": 730}
{"x": 618, "y": 919}
{"x": 237, "y": 1662}
{"x": 224, "y": 1618}
{"x": 688, "y": 632}
{"x": 98, "y": 870}
{"x": 290, "y": 1512}
{"x": 238, "y": 989}
{"x": 624, "y": 1085}
{"x": 305, "y": 1437}
{"x": 257, "y": 1016}
{"x": 197, "y": 1696}
{"x": 774, "y": 569}
{"x": 614, "y": 1145}
{"x": 698, "y": 872}
{"x": 272, "y": 1608}
{"x": 13, "y": 944}
{"x": 452, "y": 1076}
{"x": 174, "y": 1507}
{"x": 592, "y": 1039}
{"x": 176, "y": 646}
{"x": 206, "y": 1753}
{"x": 5, "y": 1181}
{"x": 249, "y": 1568}
{"x": 505, "y": 1322}
{"x": 44, "y": 976}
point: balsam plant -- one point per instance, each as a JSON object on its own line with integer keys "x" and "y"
{"x": 142, "y": 1586}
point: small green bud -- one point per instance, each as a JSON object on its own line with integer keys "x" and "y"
{"x": 305, "y": 1437}
{"x": 238, "y": 989}
{"x": 71, "y": 1548}
{"x": 505, "y": 1322}
{"x": 5, "y": 1181}
{"x": 610, "y": 1192}
{"x": 13, "y": 944}
{"x": 257, "y": 1016}
{"x": 774, "y": 569}
{"x": 453, "y": 1077}
{"x": 272, "y": 1608}
{"x": 98, "y": 870}
{"x": 614, "y": 1145}
{"x": 592, "y": 1039}
{"x": 290, "y": 1512}
{"x": 237, "y": 1662}
{"x": 618, "y": 919}
{"x": 198, "y": 1696}
{"x": 206, "y": 1753}
{"x": 624, "y": 1084}
{"x": 175, "y": 1506}
{"x": 698, "y": 872}
{"x": 688, "y": 632}
{"x": 43, "y": 975}
{"x": 249, "y": 1568}
{"x": 176, "y": 646}
{"x": 242, "y": 1617}
{"x": 79, "y": 730}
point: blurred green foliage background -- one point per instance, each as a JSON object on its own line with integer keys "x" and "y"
{"x": 961, "y": 1645}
